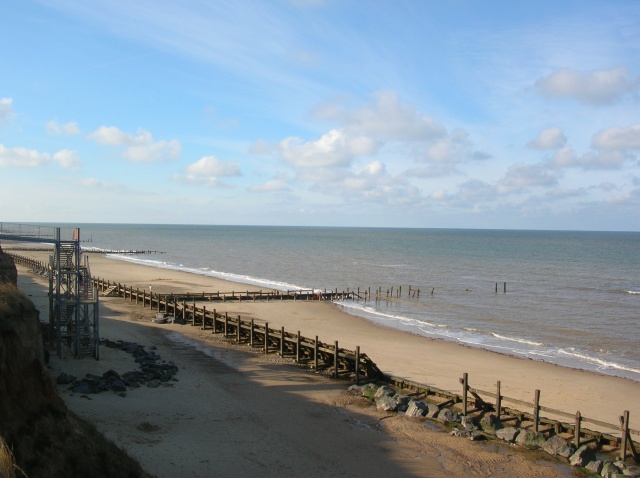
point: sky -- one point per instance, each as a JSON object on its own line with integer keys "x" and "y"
{"x": 427, "y": 114}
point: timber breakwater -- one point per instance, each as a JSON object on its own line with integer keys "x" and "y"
{"x": 611, "y": 438}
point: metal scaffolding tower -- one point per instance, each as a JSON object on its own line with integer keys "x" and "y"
{"x": 73, "y": 301}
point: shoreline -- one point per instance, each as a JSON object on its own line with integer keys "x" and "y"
{"x": 213, "y": 281}
{"x": 263, "y": 414}
{"x": 574, "y": 361}
{"x": 425, "y": 360}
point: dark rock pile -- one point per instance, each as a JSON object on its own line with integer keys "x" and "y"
{"x": 386, "y": 399}
{"x": 152, "y": 372}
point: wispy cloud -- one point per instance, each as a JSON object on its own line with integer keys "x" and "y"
{"x": 66, "y": 129}
{"x": 6, "y": 108}
{"x": 596, "y": 87}
{"x": 141, "y": 147}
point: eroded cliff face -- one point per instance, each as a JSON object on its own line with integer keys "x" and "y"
{"x": 8, "y": 272}
{"x": 46, "y": 439}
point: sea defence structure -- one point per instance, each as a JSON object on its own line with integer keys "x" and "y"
{"x": 73, "y": 301}
{"x": 187, "y": 308}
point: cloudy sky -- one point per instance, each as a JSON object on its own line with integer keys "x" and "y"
{"x": 492, "y": 114}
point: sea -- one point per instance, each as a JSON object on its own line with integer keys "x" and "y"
{"x": 565, "y": 297}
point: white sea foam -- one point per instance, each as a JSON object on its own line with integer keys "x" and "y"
{"x": 634, "y": 292}
{"x": 602, "y": 364}
{"x": 244, "y": 279}
{"x": 516, "y": 339}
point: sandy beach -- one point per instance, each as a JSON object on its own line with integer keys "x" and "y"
{"x": 241, "y": 413}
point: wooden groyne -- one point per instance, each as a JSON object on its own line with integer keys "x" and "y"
{"x": 528, "y": 415}
{"x": 311, "y": 352}
{"x": 342, "y": 363}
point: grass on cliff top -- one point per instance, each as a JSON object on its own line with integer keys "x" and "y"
{"x": 8, "y": 465}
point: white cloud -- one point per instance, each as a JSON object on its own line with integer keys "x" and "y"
{"x": 618, "y": 138}
{"x": 372, "y": 184}
{"x": 208, "y": 170}
{"x": 335, "y": 148}
{"x": 22, "y": 158}
{"x": 140, "y": 148}
{"x": 116, "y": 137}
{"x": 596, "y": 87}
{"x": 564, "y": 158}
{"x": 391, "y": 120}
{"x": 550, "y": 138}
{"x": 68, "y": 129}
{"x": 30, "y": 158}
{"x": 269, "y": 186}
{"x": 153, "y": 152}
{"x": 212, "y": 166}
{"x": 523, "y": 176}
{"x": 614, "y": 159}
{"x": 67, "y": 159}
{"x": 6, "y": 108}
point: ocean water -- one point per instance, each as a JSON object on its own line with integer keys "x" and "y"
{"x": 573, "y": 298}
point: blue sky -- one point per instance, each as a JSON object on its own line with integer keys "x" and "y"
{"x": 496, "y": 114}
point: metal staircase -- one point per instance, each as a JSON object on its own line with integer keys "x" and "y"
{"x": 73, "y": 301}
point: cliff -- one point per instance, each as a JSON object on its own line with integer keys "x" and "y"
{"x": 46, "y": 439}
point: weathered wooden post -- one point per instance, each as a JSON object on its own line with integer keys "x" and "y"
{"x": 498, "y": 400}
{"x": 282, "y": 342}
{"x": 357, "y": 364}
{"x": 335, "y": 360}
{"x": 137, "y": 295}
{"x": 536, "y": 410}
{"x": 298, "y": 347}
{"x": 184, "y": 311}
{"x": 226, "y": 323}
{"x": 624, "y": 429}
{"x": 266, "y": 337}
{"x": 315, "y": 354}
{"x": 204, "y": 318}
{"x": 505, "y": 287}
{"x": 238, "y": 329}
{"x": 576, "y": 436}
{"x": 465, "y": 391}
{"x": 252, "y": 330}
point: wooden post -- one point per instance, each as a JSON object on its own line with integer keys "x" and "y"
{"x": 505, "y": 287}
{"x": 226, "y": 323}
{"x": 536, "y": 410}
{"x": 238, "y": 329}
{"x": 252, "y": 329}
{"x": 266, "y": 337}
{"x": 335, "y": 361}
{"x": 624, "y": 429}
{"x": 496, "y": 287}
{"x": 465, "y": 391}
{"x": 184, "y": 311}
{"x": 315, "y": 354}
{"x": 282, "y": 342}
{"x": 137, "y": 295}
{"x": 498, "y": 400}
{"x": 298, "y": 347}
{"x": 357, "y": 364}
{"x": 204, "y": 318}
{"x": 576, "y": 436}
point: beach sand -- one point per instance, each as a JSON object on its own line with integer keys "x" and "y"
{"x": 234, "y": 412}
